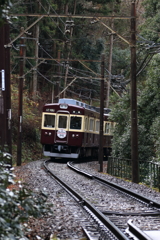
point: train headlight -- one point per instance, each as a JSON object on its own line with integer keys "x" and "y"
{"x": 48, "y": 133}
{"x": 75, "y": 135}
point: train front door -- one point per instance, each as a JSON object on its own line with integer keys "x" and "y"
{"x": 61, "y": 135}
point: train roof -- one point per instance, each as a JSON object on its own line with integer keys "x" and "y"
{"x": 76, "y": 102}
{"x": 84, "y": 105}
{"x": 80, "y": 104}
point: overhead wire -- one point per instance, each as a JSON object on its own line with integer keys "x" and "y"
{"x": 40, "y": 73}
{"x": 73, "y": 75}
{"x": 70, "y": 70}
{"x": 52, "y": 18}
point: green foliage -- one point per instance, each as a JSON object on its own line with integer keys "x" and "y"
{"x": 151, "y": 7}
{"x": 148, "y": 107}
{"x": 149, "y": 101}
{"x": 155, "y": 137}
{"x": 121, "y": 115}
{"x": 91, "y": 50}
{"x": 31, "y": 124}
{"x": 121, "y": 60}
{"x": 88, "y": 43}
{"x": 3, "y": 4}
{"x": 148, "y": 119}
{"x": 151, "y": 27}
{"x": 16, "y": 206}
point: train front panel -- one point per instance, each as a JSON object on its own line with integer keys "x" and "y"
{"x": 62, "y": 130}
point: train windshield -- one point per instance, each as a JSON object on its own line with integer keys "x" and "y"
{"x": 62, "y": 123}
{"x": 75, "y": 122}
{"x": 49, "y": 120}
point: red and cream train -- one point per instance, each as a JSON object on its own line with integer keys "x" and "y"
{"x": 70, "y": 129}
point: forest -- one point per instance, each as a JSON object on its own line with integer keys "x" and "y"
{"x": 64, "y": 42}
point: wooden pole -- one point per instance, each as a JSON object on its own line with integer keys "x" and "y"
{"x": 101, "y": 115}
{"x": 20, "y": 107}
{"x": 134, "y": 128}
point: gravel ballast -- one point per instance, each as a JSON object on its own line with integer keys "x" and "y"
{"x": 64, "y": 222}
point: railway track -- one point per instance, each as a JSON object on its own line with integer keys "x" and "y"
{"x": 115, "y": 224}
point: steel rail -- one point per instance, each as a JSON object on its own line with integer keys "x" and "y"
{"x": 138, "y": 196}
{"x": 136, "y": 232}
{"x": 96, "y": 214}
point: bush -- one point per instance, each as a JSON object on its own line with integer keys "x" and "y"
{"x": 16, "y": 206}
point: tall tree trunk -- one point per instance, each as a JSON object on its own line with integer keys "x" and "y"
{"x": 75, "y": 5}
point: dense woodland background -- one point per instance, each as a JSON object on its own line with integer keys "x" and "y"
{"x": 59, "y": 40}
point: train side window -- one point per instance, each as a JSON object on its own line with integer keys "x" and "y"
{"x": 91, "y": 124}
{"x": 112, "y": 127}
{"x": 62, "y": 123}
{"x": 75, "y": 122}
{"x": 49, "y": 120}
{"x": 86, "y": 124}
{"x": 107, "y": 128}
{"x": 97, "y": 125}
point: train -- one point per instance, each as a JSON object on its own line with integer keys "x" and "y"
{"x": 70, "y": 129}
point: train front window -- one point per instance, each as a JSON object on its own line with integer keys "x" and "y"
{"x": 75, "y": 122}
{"x": 49, "y": 120}
{"x": 62, "y": 123}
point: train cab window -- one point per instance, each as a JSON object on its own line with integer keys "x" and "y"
{"x": 62, "y": 122}
{"x": 97, "y": 125}
{"x": 107, "y": 128}
{"x": 49, "y": 120}
{"x": 91, "y": 124}
{"x": 75, "y": 122}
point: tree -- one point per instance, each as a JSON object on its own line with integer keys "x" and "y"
{"x": 148, "y": 106}
{"x": 2, "y": 6}
{"x": 52, "y": 35}
{"x": 150, "y": 28}
{"x": 148, "y": 116}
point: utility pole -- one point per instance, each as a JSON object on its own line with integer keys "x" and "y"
{"x": 100, "y": 158}
{"x": 2, "y": 89}
{"x": 110, "y": 65}
{"x": 65, "y": 78}
{"x": 5, "y": 91}
{"x": 68, "y": 30}
{"x": 56, "y": 89}
{"x": 20, "y": 107}
{"x": 8, "y": 91}
{"x": 134, "y": 129}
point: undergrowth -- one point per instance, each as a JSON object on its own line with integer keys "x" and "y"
{"x": 31, "y": 124}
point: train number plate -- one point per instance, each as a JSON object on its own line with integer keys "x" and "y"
{"x": 61, "y": 133}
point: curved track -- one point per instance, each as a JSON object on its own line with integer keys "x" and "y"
{"x": 107, "y": 228}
